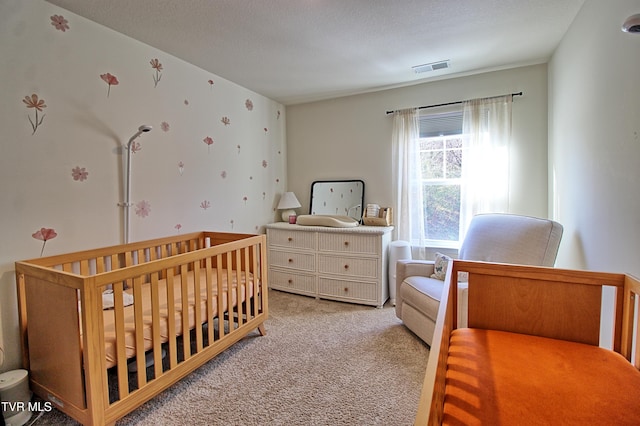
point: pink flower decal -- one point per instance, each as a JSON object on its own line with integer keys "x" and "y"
{"x": 79, "y": 173}
{"x": 231, "y": 222}
{"x": 178, "y": 227}
{"x": 205, "y": 205}
{"x": 211, "y": 84}
{"x": 186, "y": 102}
{"x": 226, "y": 121}
{"x": 264, "y": 163}
{"x": 181, "y": 168}
{"x": 223, "y": 174}
{"x": 249, "y": 104}
{"x": 135, "y": 147}
{"x": 265, "y": 130}
{"x": 238, "y": 148}
{"x": 278, "y": 115}
{"x": 208, "y": 141}
{"x": 156, "y": 65}
{"x": 60, "y": 23}
{"x": 165, "y": 126}
{"x": 44, "y": 234}
{"x": 111, "y": 80}
{"x": 143, "y": 208}
{"x": 245, "y": 198}
{"x": 37, "y": 105}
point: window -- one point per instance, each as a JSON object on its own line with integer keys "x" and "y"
{"x": 441, "y": 172}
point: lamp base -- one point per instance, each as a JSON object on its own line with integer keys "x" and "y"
{"x": 287, "y": 213}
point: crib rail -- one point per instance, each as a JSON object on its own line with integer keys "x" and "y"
{"x": 158, "y": 339}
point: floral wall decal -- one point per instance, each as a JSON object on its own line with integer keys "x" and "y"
{"x": 205, "y": 205}
{"x": 37, "y": 105}
{"x": 156, "y": 65}
{"x": 226, "y": 121}
{"x": 248, "y": 104}
{"x": 186, "y": 102}
{"x": 59, "y": 23}
{"x": 143, "y": 208}
{"x": 165, "y": 126}
{"x": 208, "y": 141}
{"x": 111, "y": 80}
{"x": 79, "y": 173}
{"x": 211, "y": 84}
{"x": 180, "y": 168}
{"x": 178, "y": 227}
{"x": 223, "y": 174}
{"x": 44, "y": 235}
{"x": 135, "y": 147}
{"x": 264, "y": 164}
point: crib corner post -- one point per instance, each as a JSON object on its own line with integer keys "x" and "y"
{"x": 96, "y": 387}
{"x": 22, "y": 319}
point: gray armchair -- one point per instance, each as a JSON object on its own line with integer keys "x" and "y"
{"x": 500, "y": 238}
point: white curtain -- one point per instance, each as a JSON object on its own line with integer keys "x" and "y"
{"x": 409, "y": 216}
{"x": 486, "y": 128}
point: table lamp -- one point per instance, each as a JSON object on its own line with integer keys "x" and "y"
{"x": 287, "y": 203}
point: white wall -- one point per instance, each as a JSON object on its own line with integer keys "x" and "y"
{"x": 84, "y": 128}
{"x": 594, "y": 139}
{"x": 350, "y": 137}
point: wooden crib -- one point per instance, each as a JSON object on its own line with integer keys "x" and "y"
{"x": 194, "y": 295}
{"x": 531, "y": 353}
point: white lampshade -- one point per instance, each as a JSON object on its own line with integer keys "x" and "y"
{"x": 287, "y": 203}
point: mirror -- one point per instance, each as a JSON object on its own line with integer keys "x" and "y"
{"x": 337, "y": 197}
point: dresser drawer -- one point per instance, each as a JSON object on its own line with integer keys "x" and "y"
{"x": 291, "y": 239}
{"x": 348, "y": 289}
{"x": 292, "y": 260}
{"x": 349, "y": 243}
{"x": 298, "y": 282}
{"x": 348, "y": 266}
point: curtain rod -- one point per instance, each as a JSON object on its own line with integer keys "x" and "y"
{"x": 454, "y": 103}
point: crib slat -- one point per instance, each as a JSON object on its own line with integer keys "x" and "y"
{"x": 121, "y": 355}
{"x": 171, "y": 325}
{"x": 155, "y": 326}
{"x": 257, "y": 277}
{"x": 139, "y": 335}
{"x": 238, "y": 270}
{"x": 209, "y": 275}
{"x": 245, "y": 277}
{"x": 197, "y": 305}
{"x": 220, "y": 297}
{"x": 186, "y": 337}
{"x": 229, "y": 291}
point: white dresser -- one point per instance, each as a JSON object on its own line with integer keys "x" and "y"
{"x": 346, "y": 264}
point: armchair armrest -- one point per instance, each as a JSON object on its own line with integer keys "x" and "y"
{"x": 410, "y": 268}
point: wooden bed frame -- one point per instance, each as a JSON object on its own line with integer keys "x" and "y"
{"x": 62, "y": 321}
{"x": 537, "y": 301}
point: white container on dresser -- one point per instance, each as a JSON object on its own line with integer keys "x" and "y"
{"x": 346, "y": 264}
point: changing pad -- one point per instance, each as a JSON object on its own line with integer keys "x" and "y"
{"x": 327, "y": 220}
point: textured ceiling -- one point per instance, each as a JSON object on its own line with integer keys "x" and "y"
{"x": 297, "y": 51}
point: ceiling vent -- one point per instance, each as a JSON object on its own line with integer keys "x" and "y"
{"x": 433, "y": 66}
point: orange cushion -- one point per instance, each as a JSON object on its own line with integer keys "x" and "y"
{"x": 500, "y": 378}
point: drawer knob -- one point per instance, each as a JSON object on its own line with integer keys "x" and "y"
{"x": 346, "y": 289}
{"x": 346, "y": 266}
{"x": 346, "y": 243}
{"x": 289, "y": 239}
{"x": 290, "y": 260}
{"x": 290, "y": 281}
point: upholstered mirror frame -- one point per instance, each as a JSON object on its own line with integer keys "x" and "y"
{"x": 337, "y": 197}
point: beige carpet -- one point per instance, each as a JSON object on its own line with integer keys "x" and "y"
{"x": 321, "y": 363}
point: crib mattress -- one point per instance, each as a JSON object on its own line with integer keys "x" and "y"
{"x": 500, "y": 378}
{"x": 145, "y": 301}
